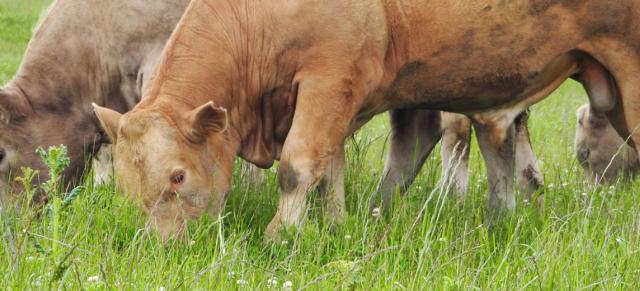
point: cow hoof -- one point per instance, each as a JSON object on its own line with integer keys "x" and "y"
{"x": 272, "y": 233}
{"x": 277, "y": 233}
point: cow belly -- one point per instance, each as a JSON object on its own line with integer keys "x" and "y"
{"x": 421, "y": 85}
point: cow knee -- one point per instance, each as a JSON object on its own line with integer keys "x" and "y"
{"x": 300, "y": 173}
{"x": 530, "y": 179}
{"x": 287, "y": 177}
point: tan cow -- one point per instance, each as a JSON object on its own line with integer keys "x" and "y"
{"x": 270, "y": 80}
{"x": 601, "y": 152}
{"x": 126, "y": 89}
{"x": 82, "y": 51}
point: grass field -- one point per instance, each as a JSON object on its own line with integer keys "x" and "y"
{"x": 583, "y": 237}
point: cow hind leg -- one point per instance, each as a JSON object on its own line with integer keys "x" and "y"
{"x": 455, "y": 148}
{"x": 528, "y": 174}
{"x": 414, "y": 134}
{"x": 622, "y": 63}
{"x": 496, "y": 143}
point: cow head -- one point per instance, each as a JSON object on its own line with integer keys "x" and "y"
{"x": 25, "y": 126}
{"x": 175, "y": 165}
{"x": 600, "y": 150}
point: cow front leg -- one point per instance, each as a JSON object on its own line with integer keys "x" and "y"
{"x": 496, "y": 141}
{"x": 324, "y": 114}
{"x": 333, "y": 188}
{"x": 414, "y": 133}
{"x": 304, "y": 162}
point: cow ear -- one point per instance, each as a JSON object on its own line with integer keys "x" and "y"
{"x": 205, "y": 120}
{"x": 109, "y": 120}
{"x": 13, "y": 105}
{"x": 580, "y": 114}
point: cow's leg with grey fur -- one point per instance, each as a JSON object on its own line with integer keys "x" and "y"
{"x": 528, "y": 175}
{"x": 456, "y": 141}
{"x": 496, "y": 141}
{"x": 455, "y": 148}
{"x": 414, "y": 133}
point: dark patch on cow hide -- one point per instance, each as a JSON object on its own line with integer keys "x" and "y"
{"x": 607, "y": 18}
{"x": 287, "y": 177}
{"x": 539, "y": 7}
{"x": 530, "y": 174}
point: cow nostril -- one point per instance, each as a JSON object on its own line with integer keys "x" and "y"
{"x": 2, "y": 155}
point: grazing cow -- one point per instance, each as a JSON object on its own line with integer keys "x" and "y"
{"x": 270, "y": 80}
{"x": 135, "y": 51}
{"x": 83, "y": 51}
{"x": 601, "y": 152}
{"x": 415, "y": 133}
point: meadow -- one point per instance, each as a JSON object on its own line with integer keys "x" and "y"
{"x": 582, "y": 237}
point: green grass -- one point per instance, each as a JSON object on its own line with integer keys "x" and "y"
{"x": 17, "y": 19}
{"x": 583, "y": 237}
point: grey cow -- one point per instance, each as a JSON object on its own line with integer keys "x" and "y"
{"x": 600, "y": 150}
{"x": 82, "y": 51}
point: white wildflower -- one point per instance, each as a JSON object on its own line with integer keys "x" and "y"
{"x": 192, "y": 242}
{"x": 347, "y": 237}
{"x": 242, "y": 282}
{"x": 284, "y": 242}
{"x": 288, "y": 285}
{"x": 272, "y": 282}
{"x": 231, "y": 273}
{"x": 161, "y": 288}
{"x": 93, "y": 279}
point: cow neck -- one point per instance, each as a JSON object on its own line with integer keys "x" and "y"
{"x": 214, "y": 57}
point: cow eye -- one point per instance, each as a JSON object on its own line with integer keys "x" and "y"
{"x": 177, "y": 178}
